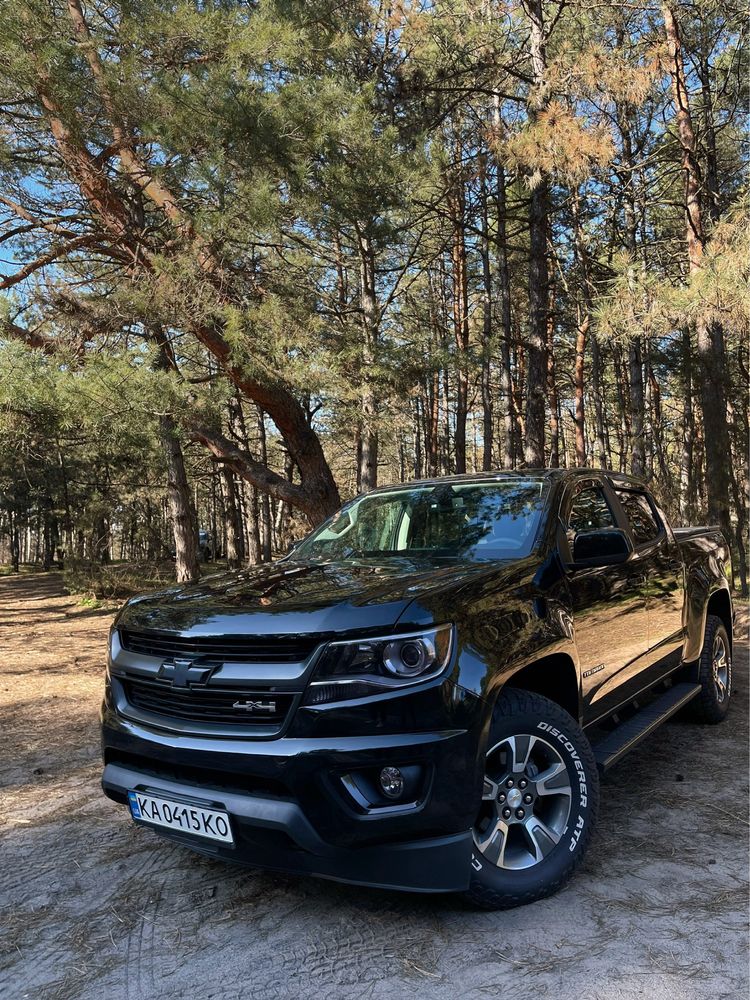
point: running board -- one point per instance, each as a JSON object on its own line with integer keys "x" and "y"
{"x": 617, "y": 743}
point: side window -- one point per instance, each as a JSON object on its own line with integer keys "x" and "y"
{"x": 643, "y": 523}
{"x": 590, "y": 511}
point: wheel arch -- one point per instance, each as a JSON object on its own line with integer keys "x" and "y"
{"x": 555, "y": 677}
{"x": 720, "y": 604}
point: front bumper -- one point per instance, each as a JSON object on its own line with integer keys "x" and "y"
{"x": 290, "y": 809}
{"x": 276, "y": 834}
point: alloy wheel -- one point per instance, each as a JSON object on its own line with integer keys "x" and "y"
{"x": 526, "y": 802}
{"x": 720, "y": 668}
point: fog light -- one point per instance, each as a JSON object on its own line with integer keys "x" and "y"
{"x": 392, "y": 782}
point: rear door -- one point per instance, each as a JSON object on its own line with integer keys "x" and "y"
{"x": 608, "y": 604}
{"x": 659, "y": 556}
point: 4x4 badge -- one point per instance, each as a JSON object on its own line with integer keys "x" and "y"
{"x": 255, "y": 706}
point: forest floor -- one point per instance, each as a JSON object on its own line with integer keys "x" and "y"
{"x": 92, "y": 906}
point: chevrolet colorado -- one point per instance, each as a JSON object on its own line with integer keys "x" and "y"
{"x": 422, "y": 694}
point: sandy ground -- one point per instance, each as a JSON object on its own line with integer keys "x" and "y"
{"x": 91, "y": 906}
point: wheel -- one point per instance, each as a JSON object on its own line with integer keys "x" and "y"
{"x": 539, "y": 803}
{"x": 714, "y": 674}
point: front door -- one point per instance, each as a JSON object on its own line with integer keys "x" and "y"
{"x": 608, "y": 606}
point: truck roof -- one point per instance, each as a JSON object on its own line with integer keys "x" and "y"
{"x": 500, "y": 474}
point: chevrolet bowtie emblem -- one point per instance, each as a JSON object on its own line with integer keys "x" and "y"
{"x": 184, "y": 673}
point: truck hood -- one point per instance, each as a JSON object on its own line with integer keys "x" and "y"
{"x": 293, "y": 597}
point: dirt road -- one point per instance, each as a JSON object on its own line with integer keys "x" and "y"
{"x": 91, "y": 906}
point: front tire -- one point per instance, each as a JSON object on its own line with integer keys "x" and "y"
{"x": 539, "y": 803}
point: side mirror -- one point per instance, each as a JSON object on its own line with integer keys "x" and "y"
{"x": 601, "y": 547}
{"x": 293, "y": 546}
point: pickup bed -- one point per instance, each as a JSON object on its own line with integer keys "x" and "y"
{"x": 423, "y": 693}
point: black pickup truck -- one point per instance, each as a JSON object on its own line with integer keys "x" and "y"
{"x": 422, "y": 694}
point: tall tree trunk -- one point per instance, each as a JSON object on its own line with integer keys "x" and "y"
{"x": 180, "y": 503}
{"x": 446, "y": 446}
{"x": 487, "y": 408}
{"x": 637, "y": 408}
{"x": 583, "y": 321}
{"x": 15, "y": 542}
{"x": 711, "y": 185}
{"x": 687, "y": 470}
{"x": 431, "y": 408}
{"x": 432, "y": 420}
{"x": 368, "y": 456}
{"x": 280, "y": 521}
{"x": 602, "y": 457}
{"x": 100, "y": 539}
{"x": 46, "y": 536}
{"x": 238, "y": 426}
{"x": 457, "y": 207}
{"x": 582, "y": 327}
{"x": 265, "y": 500}
{"x": 740, "y": 499}
{"x": 184, "y": 523}
{"x": 635, "y": 358}
{"x": 622, "y": 383}
{"x": 554, "y": 404}
{"x": 418, "y": 405}
{"x": 252, "y": 528}
{"x": 538, "y": 266}
{"x": 232, "y": 520}
{"x": 657, "y": 430}
{"x": 519, "y": 386}
{"x": 710, "y": 336}
{"x": 510, "y": 438}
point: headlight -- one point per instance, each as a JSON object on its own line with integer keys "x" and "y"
{"x": 358, "y": 668}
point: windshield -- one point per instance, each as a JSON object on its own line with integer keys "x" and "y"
{"x": 495, "y": 519}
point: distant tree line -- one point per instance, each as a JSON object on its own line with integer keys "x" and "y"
{"x": 259, "y": 257}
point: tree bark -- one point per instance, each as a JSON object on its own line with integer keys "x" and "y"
{"x": 180, "y": 503}
{"x": 554, "y": 403}
{"x": 265, "y": 500}
{"x": 487, "y": 407}
{"x": 417, "y": 422}
{"x": 637, "y": 408}
{"x": 15, "y": 546}
{"x": 100, "y": 540}
{"x": 368, "y": 453}
{"x": 460, "y": 285}
{"x": 602, "y": 457}
{"x": 710, "y": 336}
{"x": 510, "y": 423}
{"x": 583, "y": 322}
{"x": 687, "y": 471}
{"x": 538, "y": 266}
{"x": 431, "y": 412}
{"x": 233, "y": 551}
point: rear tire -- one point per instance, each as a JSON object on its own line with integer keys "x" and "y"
{"x": 714, "y": 674}
{"x": 539, "y": 803}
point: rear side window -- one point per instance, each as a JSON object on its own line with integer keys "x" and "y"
{"x": 643, "y": 524}
{"x": 590, "y": 511}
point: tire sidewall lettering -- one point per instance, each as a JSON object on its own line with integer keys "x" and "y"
{"x": 575, "y": 758}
